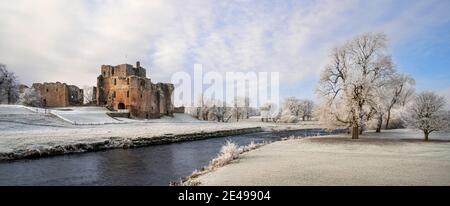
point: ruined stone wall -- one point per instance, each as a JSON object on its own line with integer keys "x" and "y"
{"x": 165, "y": 98}
{"x": 53, "y": 94}
{"x": 126, "y": 87}
{"x": 59, "y": 94}
{"x": 123, "y": 70}
{"x": 76, "y": 96}
{"x": 180, "y": 110}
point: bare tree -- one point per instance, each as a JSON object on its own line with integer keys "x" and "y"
{"x": 240, "y": 108}
{"x": 306, "y": 109}
{"x": 349, "y": 81}
{"x": 292, "y": 106}
{"x": 298, "y": 108}
{"x": 427, "y": 113}
{"x": 400, "y": 91}
{"x": 394, "y": 91}
{"x": 9, "y": 88}
{"x": 88, "y": 95}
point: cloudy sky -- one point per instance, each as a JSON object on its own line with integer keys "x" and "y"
{"x": 66, "y": 40}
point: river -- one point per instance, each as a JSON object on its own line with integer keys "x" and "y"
{"x": 152, "y": 165}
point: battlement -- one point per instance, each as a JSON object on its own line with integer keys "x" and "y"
{"x": 123, "y": 70}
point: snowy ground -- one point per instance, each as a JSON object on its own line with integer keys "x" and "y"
{"x": 24, "y": 128}
{"x": 85, "y": 115}
{"x": 396, "y": 157}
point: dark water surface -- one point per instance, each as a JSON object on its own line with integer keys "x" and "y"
{"x": 152, "y": 165}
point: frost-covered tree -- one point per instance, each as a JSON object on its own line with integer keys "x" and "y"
{"x": 427, "y": 113}
{"x": 399, "y": 91}
{"x": 239, "y": 109}
{"x": 30, "y": 97}
{"x": 394, "y": 91}
{"x": 292, "y": 106}
{"x": 348, "y": 84}
{"x": 306, "y": 109}
{"x": 210, "y": 110}
{"x": 300, "y": 109}
{"x": 9, "y": 87}
{"x": 215, "y": 110}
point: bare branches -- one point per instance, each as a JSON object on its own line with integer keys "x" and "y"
{"x": 356, "y": 70}
{"x": 9, "y": 88}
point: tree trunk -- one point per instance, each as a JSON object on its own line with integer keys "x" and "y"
{"x": 380, "y": 122}
{"x": 426, "y": 135}
{"x": 378, "y": 129}
{"x": 355, "y": 132}
{"x": 9, "y": 97}
{"x": 388, "y": 118}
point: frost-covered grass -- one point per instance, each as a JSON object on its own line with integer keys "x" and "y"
{"x": 85, "y": 115}
{"x": 393, "y": 157}
{"x": 16, "y": 117}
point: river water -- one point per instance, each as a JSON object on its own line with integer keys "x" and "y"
{"x": 152, "y": 165}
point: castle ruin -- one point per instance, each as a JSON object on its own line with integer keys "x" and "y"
{"x": 59, "y": 94}
{"x": 124, "y": 88}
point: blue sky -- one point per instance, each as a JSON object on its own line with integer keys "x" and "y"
{"x": 62, "y": 40}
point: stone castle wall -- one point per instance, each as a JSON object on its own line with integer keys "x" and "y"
{"x": 126, "y": 87}
{"x": 59, "y": 94}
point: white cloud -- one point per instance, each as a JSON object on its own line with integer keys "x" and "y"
{"x": 64, "y": 40}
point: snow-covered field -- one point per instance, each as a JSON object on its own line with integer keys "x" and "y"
{"x": 25, "y": 128}
{"x": 395, "y": 157}
{"x": 85, "y": 115}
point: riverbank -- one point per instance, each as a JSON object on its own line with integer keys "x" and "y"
{"x": 32, "y": 134}
{"x": 50, "y": 148}
{"x": 395, "y": 157}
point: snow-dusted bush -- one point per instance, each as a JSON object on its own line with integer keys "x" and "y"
{"x": 30, "y": 97}
{"x": 229, "y": 152}
{"x": 269, "y": 112}
{"x": 288, "y": 119}
{"x": 396, "y": 123}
